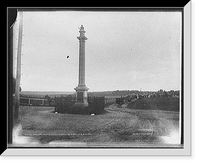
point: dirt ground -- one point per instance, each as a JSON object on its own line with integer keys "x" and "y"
{"x": 119, "y": 127}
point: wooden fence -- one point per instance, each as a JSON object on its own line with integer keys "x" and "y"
{"x": 33, "y": 101}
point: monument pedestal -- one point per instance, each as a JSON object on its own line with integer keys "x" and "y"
{"x": 81, "y": 96}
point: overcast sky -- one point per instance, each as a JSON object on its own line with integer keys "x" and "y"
{"x": 124, "y": 50}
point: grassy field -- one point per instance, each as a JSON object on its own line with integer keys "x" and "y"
{"x": 117, "y": 127}
{"x": 158, "y": 103}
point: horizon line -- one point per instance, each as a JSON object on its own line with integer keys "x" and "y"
{"x": 101, "y": 90}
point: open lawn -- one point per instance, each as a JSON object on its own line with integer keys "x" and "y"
{"x": 118, "y": 127}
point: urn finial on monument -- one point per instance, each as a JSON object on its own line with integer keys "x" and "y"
{"x": 82, "y": 34}
{"x": 81, "y": 28}
{"x": 81, "y": 89}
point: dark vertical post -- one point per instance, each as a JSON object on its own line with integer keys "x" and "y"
{"x": 18, "y": 76}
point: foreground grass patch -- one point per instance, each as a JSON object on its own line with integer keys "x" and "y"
{"x": 118, "y": 125}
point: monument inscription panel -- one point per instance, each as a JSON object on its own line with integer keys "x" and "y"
{"x": 79, "y": 96}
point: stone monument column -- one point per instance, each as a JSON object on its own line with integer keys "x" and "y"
{"x": 81, "y": 89}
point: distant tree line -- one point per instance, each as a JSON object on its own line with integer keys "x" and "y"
{"x": 124, "y": 93}
{"x": 146, "y": 94}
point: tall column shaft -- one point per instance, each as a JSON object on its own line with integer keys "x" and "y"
{"x": 82, "y": 62}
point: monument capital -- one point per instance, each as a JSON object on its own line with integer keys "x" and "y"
{"x": 82, "y": 38}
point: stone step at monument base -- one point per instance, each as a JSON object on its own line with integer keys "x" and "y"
{"x": 80, "y": 105}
